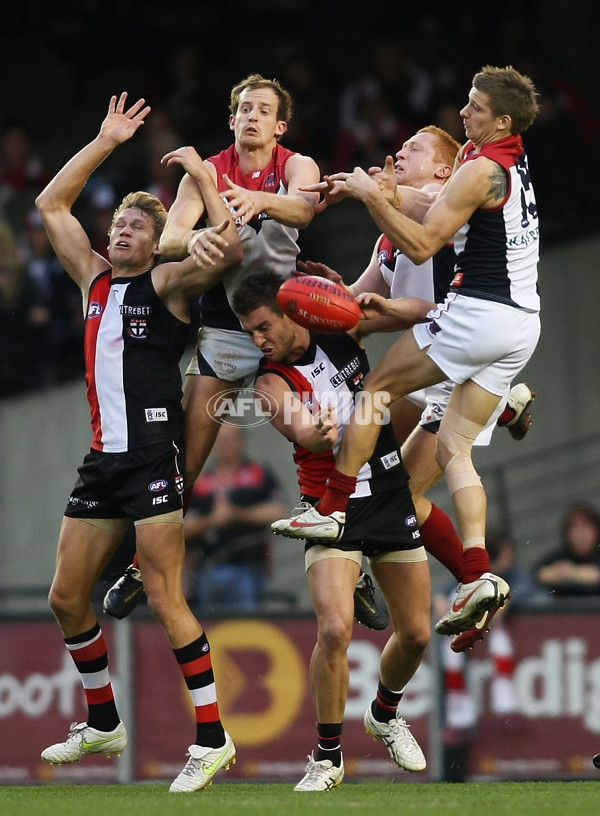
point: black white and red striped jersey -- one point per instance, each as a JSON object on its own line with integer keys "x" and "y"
{"x": 133, "y": 345}
{"x": 430, "y": 280}
{"x": 332, "y": 372}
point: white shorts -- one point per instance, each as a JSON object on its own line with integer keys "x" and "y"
{"x": 481, "y": 340}
{"x": 225, "y": 354}
{"x": 433, "y": 401}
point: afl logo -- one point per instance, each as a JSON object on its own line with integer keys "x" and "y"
{"x": 94, "y": 309}
{"x": 411, "y": 521}
{"x": 158, "y": 485}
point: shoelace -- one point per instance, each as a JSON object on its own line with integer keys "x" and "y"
{"x": 76, "y": 731}
{"x": 301, "y": 507}
{"x": 402, "y": 730}
{"x": 191, "y": 766}
{"x": 314, "y": 769}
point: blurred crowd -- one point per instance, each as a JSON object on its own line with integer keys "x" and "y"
{"x": 359, "y": 89}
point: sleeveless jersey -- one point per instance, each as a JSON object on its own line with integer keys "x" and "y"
{"x": 332, "y": 371}
{"x": 430, "y": 280}
{"x": 133, "y": 345}
{"x": 267, "y": 244}
{"x": 498, "y": 249}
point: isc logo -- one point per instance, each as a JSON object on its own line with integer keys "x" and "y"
{"x": 156, "y": 415}
{"x": 160, "y": 500}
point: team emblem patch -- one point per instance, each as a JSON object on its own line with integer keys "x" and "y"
{"x": 138, "y": 327}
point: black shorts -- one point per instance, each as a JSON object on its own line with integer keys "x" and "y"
{"x": 384, "y": 522}
{"x": 136, "y": 484}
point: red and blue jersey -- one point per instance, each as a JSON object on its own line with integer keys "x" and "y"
{"x": 498, "y": 249}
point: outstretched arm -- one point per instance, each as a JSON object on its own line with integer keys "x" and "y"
{"x": 316, "y": 432}
{"x": 296, "y": 209}
{"x": 382, "y": 314}
{"x": 471, "y": 186}
{"x": 197, "y": 196}
{"x": 55, "y": 202}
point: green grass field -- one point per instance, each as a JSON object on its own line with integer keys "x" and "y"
{"x": 223, "y": 799}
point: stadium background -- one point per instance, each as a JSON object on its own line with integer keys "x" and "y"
{"x": 61, "y": 64}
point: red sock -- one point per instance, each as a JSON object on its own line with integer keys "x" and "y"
{"x": 476, "y": 561}
{"x": 441, "y": 540}
{"x": 339, "y": 488}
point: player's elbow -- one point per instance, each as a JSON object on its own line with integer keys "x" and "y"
{"x": 46, "y": 202}
{"x": 418, "y": 255}
{"x": 314, "y": 442}
{"x": 305, "y": 212}
{"x": 170, "y": 249}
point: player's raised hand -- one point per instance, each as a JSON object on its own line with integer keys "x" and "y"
{"x": 326, "y": 423}
{"x": 333, "y": 188}
{"x": 205, "y": 246}
{"x": 119, "y": 124}
{"x": 406, "y": 310}
{"x": 244, "y": 204}
{"x": 386, "y": 178}
{"x": 359, "y": 184}
{"x": 188, "y": 158}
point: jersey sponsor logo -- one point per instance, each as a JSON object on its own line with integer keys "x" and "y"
{"x": 157, "y": 485}
{"x": 94, "y": 309}
{"x": 87, "y": 503}
{"x": 345, "y": 373}
{"x": 156, "y": 415}
{"x": 390, "y": 460}
{"x": 270, "y": 182}
{"x": 138, "y": 327}
{"x": 135, "y": 311}
{"x": 224, "y": 367}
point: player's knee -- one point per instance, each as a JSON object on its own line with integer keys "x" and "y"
{"x": 453, "y": 450}
{"x": 64, "y": 604}
{"x": 414, "y": 636}
{"x": 335, "y": 634}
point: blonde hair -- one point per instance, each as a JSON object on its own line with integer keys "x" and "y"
{"x": 147, "y": 203}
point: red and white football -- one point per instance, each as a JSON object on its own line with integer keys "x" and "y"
{"x": 318, "y": 304}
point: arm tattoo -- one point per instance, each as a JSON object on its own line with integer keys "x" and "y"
{"x": 498, "y": 183}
